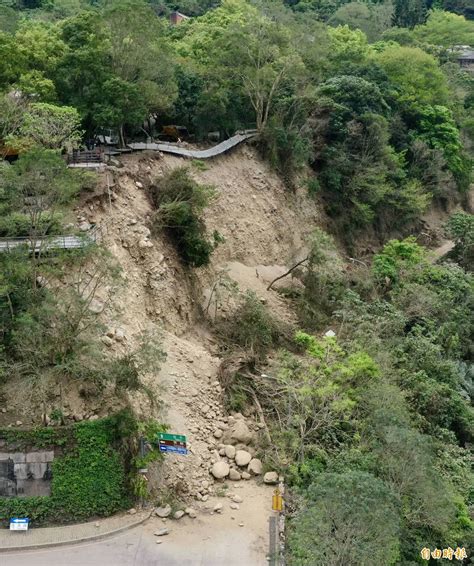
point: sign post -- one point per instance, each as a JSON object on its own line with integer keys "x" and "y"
{"x": 174, "y": 443}
{"x": 277, "y": 500}
{"x": 19, "y": 524}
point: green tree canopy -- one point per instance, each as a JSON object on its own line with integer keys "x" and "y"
{"x": 446, "y": 30}
{"x": 348, "y": 519}
{"x": 416, "y": 75}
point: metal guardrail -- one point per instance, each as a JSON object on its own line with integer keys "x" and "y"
{"x": 274, "y": 535}
{"x": 86, "y": 159}
{"x": 37, "y": 245}
{"x": 85, "y": 156}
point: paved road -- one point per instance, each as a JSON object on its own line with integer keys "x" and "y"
{"x": 232, "y": 538}
{"x": 138, "y": 547}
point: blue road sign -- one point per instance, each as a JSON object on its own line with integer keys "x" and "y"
{"x": 174, "y": 449}
{"x": 19, "y": 524}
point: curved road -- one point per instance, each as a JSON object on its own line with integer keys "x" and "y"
{"x": 138, "y": 547}
{"x": 235, "y": 537}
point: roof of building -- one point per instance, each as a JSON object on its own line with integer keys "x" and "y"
{"x": 466, "y": 53}
{"x": 176, "y": 13}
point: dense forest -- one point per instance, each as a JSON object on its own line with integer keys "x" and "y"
{"x": 364, "y": 104}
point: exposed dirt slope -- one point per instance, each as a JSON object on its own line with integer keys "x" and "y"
{"x": 265, "y": 229}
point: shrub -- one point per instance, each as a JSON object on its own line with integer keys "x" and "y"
{"x": 460, "y": 228}
{"x": 355, "y": 507}
{"x": 397, "y": 256}
{"x": 89, "y": 478}
{"x": 181, "y": 201}
{"x": 252, "y": 327}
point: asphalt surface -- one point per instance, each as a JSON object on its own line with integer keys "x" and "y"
{"x": 137, "y": 547}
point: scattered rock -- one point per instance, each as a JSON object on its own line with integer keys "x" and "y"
{"x": 132, "y": 511}
{"x": 19, "y": 423}
{"x": 217, "y": 433}
{"x": 139, "y": 185}
{"x": 97, "y": 525}
{"x": 190, "y": 512}
{"x": 162, "y": 532}
{"x": 145, "y": 244}
{"x": 270, "y": 477}
{"x": 245, "y": 476}
{"x": 255, "y": 467}
{"x": 236, "y": 499}
{"x": 119, "y": 335}
{"x": 220, "y": 470}
{"x": 107, "y": 341}
{"x": 178, "y": 514}
{"x": 242, "y": 457}
{"x": 234, "y": 475}
{"x": 230, "y": 451}
{"x": 163, "y": 511}
{"x": 218, "y": 508}
{"x": 241, "y": 524}
{"x": 234, "y": 506}
{"x": 84, "y": 226}
{"x": 96, "y": 306}
{"x": 159, "y": 541}
{"x": 41, "y": 281}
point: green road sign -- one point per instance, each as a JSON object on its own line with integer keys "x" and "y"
{"x": 175, "y": 437}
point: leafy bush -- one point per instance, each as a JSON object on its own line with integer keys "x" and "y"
{"x": 395, "y": 257}
{"x": 460, "y": 228}
{"x": 353, "y": 506}
{"x": 180, "y": 201}
{"x": 89, "y": 478}
{"x": 287, "y": 148}
{"x": 251, "y": 327}
{"x": 18, "y": 225}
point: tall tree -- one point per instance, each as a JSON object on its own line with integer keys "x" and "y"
{"x": 409, "y": 13}
{"x": 261, "y": 59}
{"x": 139, "y": 57}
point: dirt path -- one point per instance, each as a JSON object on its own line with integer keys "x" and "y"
{"x": 442, "y": 250}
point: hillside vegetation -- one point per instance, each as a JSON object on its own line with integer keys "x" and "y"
{"x": 357, "y": 367}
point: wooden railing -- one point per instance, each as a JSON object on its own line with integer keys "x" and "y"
{"x": 85, "y": 156}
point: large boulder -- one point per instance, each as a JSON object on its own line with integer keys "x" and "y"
{"x": 234, "y": 475}
{"x": 270, "y": 477}
{"x": 238, "y": 432}
{"x": 255, "y": 467}
{"x": 220, "y": 470}
{"x": 242, "y": 457}
{"x": 163, "y": 511}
